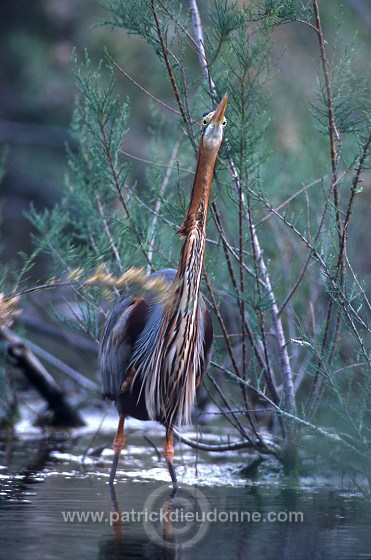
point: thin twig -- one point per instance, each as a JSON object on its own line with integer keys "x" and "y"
{"x": 156, "y": 164}
{"x": 334, "y": 438}
{"x": 118, "y": 187}
{"x": 141, "y": 87}
{"x": 159, "y": 202}
{"x": 286, "y": 373}
{"x": 258, "y": 353}
{"x": 346, "y": 305}
{"x": 108, "y": 233}
{"x": 318, "y": 386}
{"x": 307, "y": 23}
{"x": 237, "y": 422}
{"x": 333, "y": 132}
{"x": 221, "y": 322}
{"x": 227, "y": 412}
{"x": 179, "y": 24}
{"x": 165, "y": 55}
{"x": 290, "y": 199}
{"x": 353, "y": 192}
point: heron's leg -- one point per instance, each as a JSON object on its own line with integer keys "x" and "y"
{"x": 168, "y": 453}
{"x": 118, "y": 444}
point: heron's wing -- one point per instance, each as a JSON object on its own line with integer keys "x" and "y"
{"x": 122, "y": 330}
{"x": 123, "y": 326}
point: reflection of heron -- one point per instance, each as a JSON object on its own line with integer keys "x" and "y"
{"x": 153, "y": 352}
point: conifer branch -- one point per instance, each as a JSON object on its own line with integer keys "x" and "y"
{"x": 285, "y": 367}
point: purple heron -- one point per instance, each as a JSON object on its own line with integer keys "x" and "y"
{"x": 153, "y": 353}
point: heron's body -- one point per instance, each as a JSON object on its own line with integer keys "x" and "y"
{"x": 133, "y": 330}
{"x": 154, "y": 350}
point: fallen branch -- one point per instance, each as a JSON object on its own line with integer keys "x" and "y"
{"x": 64, "y": 415}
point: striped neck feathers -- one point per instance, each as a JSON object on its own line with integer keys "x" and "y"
{"x": 197, "y": 212}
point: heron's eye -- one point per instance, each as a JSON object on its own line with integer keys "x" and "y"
{"x": 224, "y": 122}
{"x": 206, "y": 118}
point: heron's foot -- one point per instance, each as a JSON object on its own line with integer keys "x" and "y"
{"x": 168, "y": 453}
{"x": 118, "y": 444}
{"x": 171, "y": 469}
{"x": 115, "y": 463}
{"x": 174, "y": 480}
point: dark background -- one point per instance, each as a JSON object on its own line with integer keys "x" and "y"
{"x": 37, "y": 94}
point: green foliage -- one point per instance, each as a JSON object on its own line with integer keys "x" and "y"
{"x": 350, "y": 95}
{"x": 279, "y": 272}
{"x": 277, "y": 12}
{"x": 136, "y": 17}
{"x": 78, "y": 229}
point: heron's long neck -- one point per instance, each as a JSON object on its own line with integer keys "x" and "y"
{"x": 194, "y": 229}
{"x": 197, "y": 212}
{"x": 179, "y": 345}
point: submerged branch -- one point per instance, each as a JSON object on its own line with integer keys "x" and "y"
{"x": 223, "y": 447}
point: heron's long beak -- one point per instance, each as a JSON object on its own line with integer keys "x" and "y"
{"x": 218, "y": 115}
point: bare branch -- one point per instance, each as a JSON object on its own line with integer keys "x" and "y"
{"x": 258, "y": 351}
{"x": 236, "y": 420}
{"x": 333, "y": 132}
{"x": 234, "y": 446}
{"x": 156, "y": 164}
{"x": 356, "y": 180}
{"x": 165, "y": 54}
{"x": 141, "y": 88}
{"x": 200, "y": 45}
{"x": 285, "y": 367}
{"x": 67, "y": 370}
{"x": 290, "y": 199}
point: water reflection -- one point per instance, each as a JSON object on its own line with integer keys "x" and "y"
{"x": 25, "y": 465}
{"x": 33, "y": 522}
{"x": 161, "y": 538}
{"x": 329, "y": 526}
{"x": 124, "y": 545}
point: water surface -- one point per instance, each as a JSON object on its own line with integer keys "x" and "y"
{"x": 56, "y": 504}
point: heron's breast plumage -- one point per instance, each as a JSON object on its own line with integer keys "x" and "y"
{"x": 169, "y": 370}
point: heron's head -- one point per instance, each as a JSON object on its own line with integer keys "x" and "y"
{"x": 213, "y": 127}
